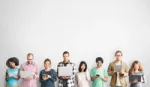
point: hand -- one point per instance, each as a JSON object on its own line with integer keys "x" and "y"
{"x": 34, "y": 76}
{"x": 45, "y": 77}
{"x": 10, "y": 75}
{"x": 65, "y": 77}
{"x": 122, "y": 71}
{"x": 27, "y": 78}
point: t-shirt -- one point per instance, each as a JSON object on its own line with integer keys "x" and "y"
{"x": 99, "y": 82}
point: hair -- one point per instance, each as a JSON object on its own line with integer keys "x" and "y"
{"x": 12, "y": 59}
{"x": 118, "y": 51}
{"x": 81, "y": 63}
{"x": 99, "y": 59}
{"x": 131, "y": 70}
{"x": 47, "y": 60}
{"x": 30, "y": 54}
{"x": 65, "y": 52}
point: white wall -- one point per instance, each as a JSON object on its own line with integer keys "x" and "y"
{"x": 86, "y": 28}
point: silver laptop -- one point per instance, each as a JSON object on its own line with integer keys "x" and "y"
{"x": 65, "y": 71}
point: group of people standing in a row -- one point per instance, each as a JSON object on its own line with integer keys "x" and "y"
{"x": 98, "y": 74}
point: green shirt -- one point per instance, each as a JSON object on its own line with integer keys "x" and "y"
{"x": 99, "y": 82}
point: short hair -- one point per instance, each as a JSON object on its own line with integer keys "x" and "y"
{"x": 12, "y": 59}
{"x": 47, "y": 60}
{"x": 66, "y": 52}
{"x": 81, "y": 63}
{"x": 30, "y": 54}
{"x": 99, "y": 59}
{"x": 118, "y": 51}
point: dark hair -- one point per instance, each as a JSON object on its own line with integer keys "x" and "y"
{"x": 82, "y": 62}
{"x": 118, "y": 51}
{"x": 30, "y": 54}
{"x": 66, "y": 52}
{"x": 12, "y": 59}
{"x": 99, "y": 59}
{"x": 47, "y": 60}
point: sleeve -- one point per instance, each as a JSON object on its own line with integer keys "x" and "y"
{"x": 6, "y": 75}
{"x": 59, "y": 77}
{"x": 126, "y": 70}
{"x": 109, "y": 70}
{"x": 53, "y": 76}
{"x": 36, "y": 72}
{"x": 40, "y": 77}
{"x": 92, "y": 73}
{"x": 144, "y": 78}
{"x": 105, "y": 74}
{"x": 74, "y": 71}
{"x": 88, "y": 75}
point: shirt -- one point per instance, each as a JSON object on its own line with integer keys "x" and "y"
{"x": 32, "y": 68}
{"x": 99, "y": 81}
{"x": 51, "y": 81}
{"x": 71, "y": 80}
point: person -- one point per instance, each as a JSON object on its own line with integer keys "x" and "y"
{"x": 30, "y": 66}
{"x": 137, "y": 69}
{"x": 83, "y": 76}
{"x": 118, "y": 78}
{"x": 98, "y": 74}
{"x": 47, "y": 76}
{"x": 66, "y": 81}
{"x": 12, "y": 73}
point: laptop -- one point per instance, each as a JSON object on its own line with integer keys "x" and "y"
{"x": 65, "y": 71}
{"x": 25, "y": 74}
{"x": 135, "y": 78}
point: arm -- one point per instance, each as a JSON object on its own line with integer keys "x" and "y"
{"x": 124, "y": 72}
{"x": 53, "y": 76}
{"x": 41, "y": 78}
{"x": 36, "y": 75}
{"x": 94, "y": 78}
{"x": 88, "y": 75}
{"x": 110, "y": 72}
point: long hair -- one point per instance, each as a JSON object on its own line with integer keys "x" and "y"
{"x": 131, "y": 71}
{"x": 82, "y": 62}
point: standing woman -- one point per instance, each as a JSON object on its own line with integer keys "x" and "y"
{"x": 83, "y": 76}
{"x": 136, "y": 69}
{"x": 98, "y": 74}
{"x": 47, "y": 76}
{"x": 12, "y": 73}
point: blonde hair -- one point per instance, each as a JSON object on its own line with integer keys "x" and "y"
{"x": 131, "y": 71}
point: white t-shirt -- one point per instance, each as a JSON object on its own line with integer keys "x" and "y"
{"x": 118, "y": 76}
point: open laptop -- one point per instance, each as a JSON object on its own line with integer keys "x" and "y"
{"x": 65, "y": 71}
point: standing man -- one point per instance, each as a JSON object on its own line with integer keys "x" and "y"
{"x": 66, "y": 81}
{"x": 30, "y": 66}
{"x": 118, "y": 75}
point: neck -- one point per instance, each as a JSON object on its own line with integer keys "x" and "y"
{"x": 99, "y": 66}
{"x": 47, "y": 69}
{"x": 118, "y": 61}
{"x": 65, "y": 61}
{"x": 82, "y": 70}
{"x": 136, "y": 70}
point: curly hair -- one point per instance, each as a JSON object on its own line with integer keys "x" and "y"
{"x": 12, "y": 59}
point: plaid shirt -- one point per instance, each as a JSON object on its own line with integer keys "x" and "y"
{"x": 71, "y": 80}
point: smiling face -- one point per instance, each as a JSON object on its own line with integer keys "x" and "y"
{"x": 47, "y": 64}
{"x": 118, "y": 56}
{"x": 12, "y": 64}
{"x": 99, "y": 63}
{"x": 30, "y": 59}
{"x": 66, "y": 57}
{"x": 83, "y": 67}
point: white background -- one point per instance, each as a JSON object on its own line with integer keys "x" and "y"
{"x": 85, "y": 28}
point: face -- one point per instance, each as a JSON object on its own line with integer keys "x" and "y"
{"x": 83, "y": 66}
{"x": 66, "y": 57}
{"x": 47, "y": 64}
{"x": 136, "y": 66}
{"x": 12, "y": 64}
{"x": 118, "y": 56}
{"x": 99, "y": 63}
{"x": 29, "y": 59}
